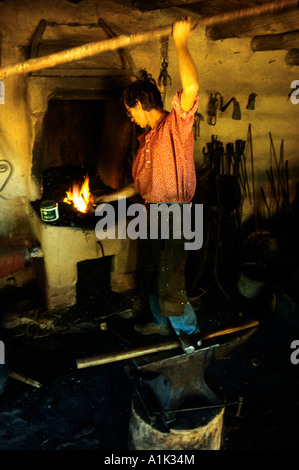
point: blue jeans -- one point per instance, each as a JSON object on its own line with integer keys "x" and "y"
{"x": 187, "y": 322}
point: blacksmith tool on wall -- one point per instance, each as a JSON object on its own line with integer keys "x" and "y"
{"x": 236, "y": 108}
{"x": 251, "y": 101}
{"x": 213, "y": 106}
{"x": 216, "y": 102}
{"x": 164, "y": 77}
{"x": 196, "y": 126}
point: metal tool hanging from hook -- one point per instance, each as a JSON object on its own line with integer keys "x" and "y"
{"x": 216, "y": 102}
{"x": 213, "y": 105}
{"x": 164, "y": 77}
{"x": 196, "y": 126}
{"x": 251, "y": 101}
{"x": 236, "y": 109}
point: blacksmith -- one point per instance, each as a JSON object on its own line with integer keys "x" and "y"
{"x": 164, "y": 172}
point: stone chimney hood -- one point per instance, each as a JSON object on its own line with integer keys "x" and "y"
{"x": 97, "y": 78}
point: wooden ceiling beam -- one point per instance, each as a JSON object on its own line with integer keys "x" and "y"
{"x": 292, "y": 57}
{"x": 272, "y": 42}
{"x": 248, "y": 27}
{"x": 150, "y": 5}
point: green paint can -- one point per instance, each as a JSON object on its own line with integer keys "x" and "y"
{"x": 49, "y": 211}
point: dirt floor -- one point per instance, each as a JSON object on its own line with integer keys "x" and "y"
{"x": 89, "y": 409}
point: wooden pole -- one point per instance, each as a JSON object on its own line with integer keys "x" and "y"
{"x": 94, "y": 48}
{"x": 82, "y": 52}
{"x": 101, "y": 359}
{"x": 23, "y": 378}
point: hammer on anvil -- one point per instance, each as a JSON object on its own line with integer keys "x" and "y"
{"x": 183, "y": 373}
{"x": 179, "y": 380}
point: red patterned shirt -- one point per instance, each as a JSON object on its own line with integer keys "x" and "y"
{"x": 163, "y": 169}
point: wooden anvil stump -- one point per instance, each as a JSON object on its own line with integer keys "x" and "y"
{"x": 193, "y": 430}
{"x": 176, "y": 408}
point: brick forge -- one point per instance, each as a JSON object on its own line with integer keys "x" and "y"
{"x": 64, "y": 247}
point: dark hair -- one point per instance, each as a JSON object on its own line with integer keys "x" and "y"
{"x": 146, "y": 91}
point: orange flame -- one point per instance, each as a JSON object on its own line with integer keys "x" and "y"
{"x": 79, "y": 196}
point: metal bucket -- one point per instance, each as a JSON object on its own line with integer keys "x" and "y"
{"x": 250, "y": 287}
{"x": 49, "y": 211}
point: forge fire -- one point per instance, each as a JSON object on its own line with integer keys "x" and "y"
{"x": 79, "y": 196}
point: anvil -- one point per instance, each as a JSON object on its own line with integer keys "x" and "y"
{"x": 178, "y": 380}
{"x": 175, "y": 379}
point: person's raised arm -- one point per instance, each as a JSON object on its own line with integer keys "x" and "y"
{"x": 181, "y": 31}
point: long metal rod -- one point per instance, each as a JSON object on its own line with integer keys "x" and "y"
{"x": 94, "y": 48}
{"x": 253, "y": 188}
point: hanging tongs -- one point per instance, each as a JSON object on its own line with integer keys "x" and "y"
{"x": 196, "y": 125}
{"x": 212, "y": 108}
{"x": 164, "y": 77}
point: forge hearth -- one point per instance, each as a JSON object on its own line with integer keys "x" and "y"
{"x": 78, "y": 123}
{"x": 71, "y": 239}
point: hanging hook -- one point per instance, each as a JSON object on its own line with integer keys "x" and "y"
{"x": 164, "y": 76}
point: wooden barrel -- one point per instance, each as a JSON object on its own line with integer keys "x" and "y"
{"x": 199, "y": 429}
